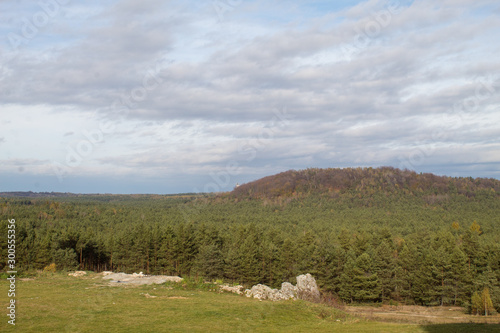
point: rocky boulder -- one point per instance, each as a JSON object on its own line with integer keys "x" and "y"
{"x": 288, "y": 291}
{"x": 261, "y": 292}
{"x": 139, "y": 279}
{"x": 232, "y": 289}
{"x": 307, "y": 289}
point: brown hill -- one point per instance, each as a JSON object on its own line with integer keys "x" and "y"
{"x": 364, "y": 180}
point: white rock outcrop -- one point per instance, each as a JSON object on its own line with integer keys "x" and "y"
{"x": 232, "y": 289}
{"x": 262, "y": 292}
{"x": 138, "y": 279}
{"x": 306, "y": 289}
{"x": 288, "y": 290}
{"x": 78, "y": 273}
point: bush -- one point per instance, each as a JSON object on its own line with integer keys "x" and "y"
{"x": 50, "y": 268}
{"x": 481, "y": 304}
{"x": 332, "y": 300}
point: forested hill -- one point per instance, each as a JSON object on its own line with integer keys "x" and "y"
{"x": 366, "y": 182}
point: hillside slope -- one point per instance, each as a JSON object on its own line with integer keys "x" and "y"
{"x": 365, "y": 181}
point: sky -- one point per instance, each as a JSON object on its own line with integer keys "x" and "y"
{"x": 122, "y": 96}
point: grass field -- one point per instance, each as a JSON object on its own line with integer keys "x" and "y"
{"x": 59, "y": 303}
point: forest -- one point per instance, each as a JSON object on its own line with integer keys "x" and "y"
{"x": 368, "y": 235}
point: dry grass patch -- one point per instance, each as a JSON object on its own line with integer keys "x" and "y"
{"x": 420, "y": 314}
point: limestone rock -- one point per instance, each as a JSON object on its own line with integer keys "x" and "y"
{"x": 140, "y": 279}
{"x": 232, "y": 289}
{"x": 288, "y": 291}
{"x": 307, "y": 289}
{"x": 261, "y": 292}
{"x": 78, "y": 273}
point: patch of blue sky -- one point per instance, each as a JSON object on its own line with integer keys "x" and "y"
{"x": 38, "y": 27}
{"x": 322, "y": 7}
{"x": 300, "y": 14}
{"x": 485, "y": 10}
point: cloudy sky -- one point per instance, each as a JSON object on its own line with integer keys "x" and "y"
{"x": 155, "y": 96}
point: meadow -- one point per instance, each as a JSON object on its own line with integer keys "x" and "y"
{"x": 55, "y": 302}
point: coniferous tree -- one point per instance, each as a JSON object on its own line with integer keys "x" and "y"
{"x": 43, "y": 255}
{"x": 232, "y": 262}
{"x": 166, "y": 256}
{"x": 443, "y": 275}
{"x": 474, "y": 250}
{"x": 426, "y": 282}
{"x": 271, "y": 265}
{"x": 306, "y": 247}
{"x": 345, "y": 239}
{"x": 251, "y": 261}
{"x": 409, "y": 268}
{"x": 324, "y": 266}
{"x": 155, "y": 249}
{"x": 460, "y": 279}
{"x": 185, "y": 248}
{"x": 337, "y": 265}
{"x": 243, "y": 258}
{"x": 347, "y": 292}
{"x": 385, "y": 267}
{"x": 366, "y": 286}
{"x": 65, "y": 259}
{"x": 209, "y": 262}
{"x": 288, "y": 260}
{"x": 494, "y": 264}
{"x": 139, "y": 254}
{"x": 25, "y": 244}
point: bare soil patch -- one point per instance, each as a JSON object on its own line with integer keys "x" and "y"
{"x": 420, "y": 314}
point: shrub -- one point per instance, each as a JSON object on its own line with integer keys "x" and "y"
{"x": 50, "y": 268}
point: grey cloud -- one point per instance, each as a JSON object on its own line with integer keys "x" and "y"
{"x": 243, "y": 84}
{"x": 376, "y": 107}
{"x": 17, "y": 162}
{"x": 107, "y": 59}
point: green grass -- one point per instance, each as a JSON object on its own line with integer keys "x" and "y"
{"x": 59, "y": 303}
